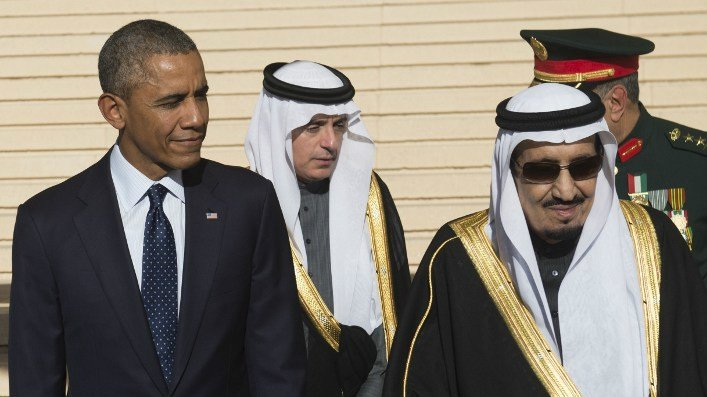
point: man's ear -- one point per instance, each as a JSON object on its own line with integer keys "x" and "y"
{"x": 616, "y": 101}
{"x": 113, "y": 109}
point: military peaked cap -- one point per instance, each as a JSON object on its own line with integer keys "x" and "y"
{"x": 584, "y": 55}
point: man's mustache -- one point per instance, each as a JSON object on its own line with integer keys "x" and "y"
{"x": 330, "y": 155}
{"x": 553, "y": 202}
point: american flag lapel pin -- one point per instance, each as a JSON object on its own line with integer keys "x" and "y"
{"x": 210, "y": 215}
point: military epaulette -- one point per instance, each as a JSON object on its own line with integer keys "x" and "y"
{"x": 688, "y": 139}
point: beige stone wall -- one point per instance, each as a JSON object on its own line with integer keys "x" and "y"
{"x": 428, "y": 76}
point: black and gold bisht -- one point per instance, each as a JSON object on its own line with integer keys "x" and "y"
{"x": 466, "y": 332}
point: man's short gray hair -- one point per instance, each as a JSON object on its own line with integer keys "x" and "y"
{"x": 629, "y": 81}
{"x": 121, "y": 62}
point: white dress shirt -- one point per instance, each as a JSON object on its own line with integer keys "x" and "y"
{"x": 131, "y": 188}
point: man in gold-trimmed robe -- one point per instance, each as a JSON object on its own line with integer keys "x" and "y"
{"x": 659, "y": 162}
{"x": 559, "y": 288}
{"x": 348, "y": 249}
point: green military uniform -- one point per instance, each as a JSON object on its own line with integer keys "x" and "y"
{"x": 660, "y": 163}
{"x": 673, "y": 164}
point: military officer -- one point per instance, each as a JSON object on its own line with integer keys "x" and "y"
{"x": 659, "y": 162}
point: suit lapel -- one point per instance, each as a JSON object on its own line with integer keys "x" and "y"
{"x": 201, "y": 253}
{"x": 103, "y": 237}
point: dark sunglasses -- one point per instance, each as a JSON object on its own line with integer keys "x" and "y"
{"x": 541, "y": 172}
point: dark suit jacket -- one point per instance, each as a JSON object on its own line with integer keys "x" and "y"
{"x": 76, "y": 307}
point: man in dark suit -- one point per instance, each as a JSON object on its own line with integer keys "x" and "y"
{"x": 154, "y": 272}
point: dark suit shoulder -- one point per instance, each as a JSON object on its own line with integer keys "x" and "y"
{"x": 236, "y": 174}
{"x": 59, "y": 195}
{"x": 237, "y": 185}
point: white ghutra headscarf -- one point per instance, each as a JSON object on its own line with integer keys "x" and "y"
{"x": 268, "y": 147}
{"x": 599, "y": 301}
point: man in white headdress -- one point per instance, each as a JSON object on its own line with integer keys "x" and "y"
{"x": 348, "y": 248}
{"x": 559, "y": 288}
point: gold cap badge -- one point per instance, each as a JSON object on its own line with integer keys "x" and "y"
{"x": 538, "y": 49}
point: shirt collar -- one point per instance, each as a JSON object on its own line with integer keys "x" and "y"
{"x": 131, "y": 184}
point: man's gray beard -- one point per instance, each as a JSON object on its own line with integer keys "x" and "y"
{"x": 563, "y": 233}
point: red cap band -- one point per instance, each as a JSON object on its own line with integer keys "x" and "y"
{"x": 589, "y": 69}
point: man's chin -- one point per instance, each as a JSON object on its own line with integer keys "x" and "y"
{"x": 314, "y": 177}
{"x": 563, "y": 233}
{"x": 186, "y": 162}
{"x": 323, "y": 173}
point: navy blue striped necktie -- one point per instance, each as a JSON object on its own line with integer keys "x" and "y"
{"x": 159, "y": 280}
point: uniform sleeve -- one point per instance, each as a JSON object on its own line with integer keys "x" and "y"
{"x": 36, "y": 338}
{"x": 275, "y": 352}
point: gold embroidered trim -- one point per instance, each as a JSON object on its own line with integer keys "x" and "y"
{"x": 424, "y": 316}
{"x": 495, "y": 277}
{"x": 381, "y": 258}
{"x": 645, "y": 242}
{"x": 573, "y": 77}
{"x": 313, "y": 304}
{"x": 311, "y": 301}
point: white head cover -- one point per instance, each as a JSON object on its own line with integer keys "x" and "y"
{"x": 599, "y": 302}
{"x": 268, "y": 146}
